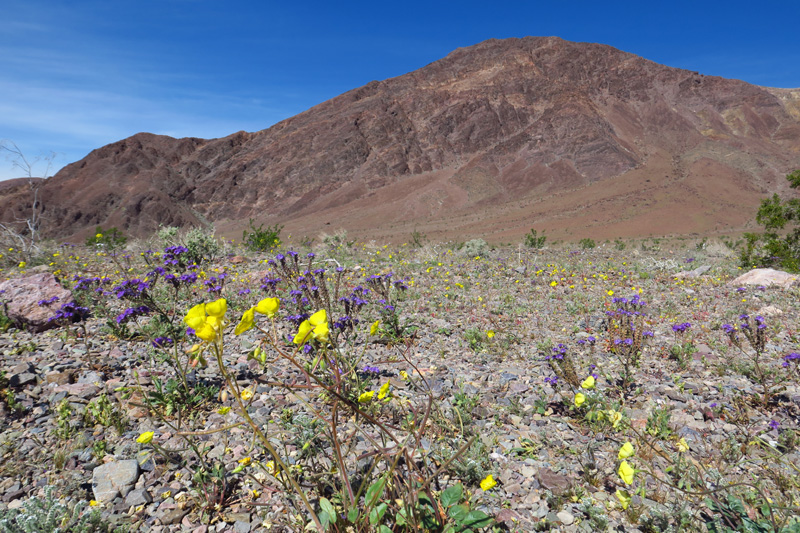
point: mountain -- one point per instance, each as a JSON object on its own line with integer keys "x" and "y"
{"x": 579, "y": 139}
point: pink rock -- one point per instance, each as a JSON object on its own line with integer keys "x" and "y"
{"x": 22, "y": 297}
{"x": 767, "y": 277}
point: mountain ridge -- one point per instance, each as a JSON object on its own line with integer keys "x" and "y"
{"x": 500, "y": 132}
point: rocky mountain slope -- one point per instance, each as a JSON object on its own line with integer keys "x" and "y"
{"x": 575, "y": 138}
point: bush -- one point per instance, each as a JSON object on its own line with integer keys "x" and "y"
{"x": 260, "y": 239}
{"x": 202, "y": 245}
{"x": 474, "y": 248}
{"x": 532, "y": 240}
{"x": 110, "y": 238}
{"x": 587, "y": 243}
{"x": 775, "y": 247}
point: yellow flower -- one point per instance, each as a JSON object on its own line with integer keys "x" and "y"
{"x": 553, "y": 283}
{"x": 245, "y": 461}
{"x": 588, "y": 383}
{"x": 490, "y": 334}
{"x": 625, "y": 451}
{"x": 98, "y": 236}
{"x": 268, "y": 306}
{"x": 206, "y": 319}
{"x": 615, "y": 417}
{"x": 145, "y": 437}
{"x": 626, "y": 472}
{"x": 373, "y": 329}
{"x": 404, "y": 374}
{"x": 610, "y": 293}
{"x": 384, "y": 390}
{"x": 166, "y": 494}
{"x": 579, "y": 399}
{"x": 488, "y": 482}
{"x": 247, "y": 394}
{"x": 224, "y": 410}
{"x": 624, "y": 498}
{"x": 316, "y": 327}
{"x": 22, "y": 264}
{"x": 683, "y": 446}
{"x": 93, "y": 503}
{"x": 271, "y": 468}
{"x": 247, "y": 321}
{"x": 366, "y": 396}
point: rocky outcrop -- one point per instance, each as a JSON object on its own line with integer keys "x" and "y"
{"x": 31, "y": 301}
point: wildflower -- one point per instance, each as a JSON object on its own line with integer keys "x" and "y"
{"x": 373, "y": 329}
{"x": 626, "y": 472}
{"x": 588, "y": 383}
{"x": 268, "y": 306}
{"x": 625, "y": 451}
{"x": 682, "y": 445}
{"x": 366, "y": 397}
{"x": 315, "y": 327}
{"x": 22, "y": 264}
{"x": 245, "y": 461}
{"x": 579, "y": 399}
{"x": 247, "y": 321}
{"x": 98, "y": 236}
{"x": 490, "y": 334}
{"x": 610, "y": 293}
{"x": 624, "y": 498}
{"x": 615, "y": 417}
{"x": 773, "y": 424}
{"x": 93, "y": 503}
{"x": 224, "y": 410}
{"x": 488, "y": 482}
{"x": 206, "y": 319}
{"x": 247, "y": 395}
{"x": 403, "y": 374}
{"x": 145, "y": 437}
{"x": 383, "y": 391}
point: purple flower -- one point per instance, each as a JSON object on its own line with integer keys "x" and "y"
{"x": 552, "y": 381}
{"x": 132, "y": 312}
{"x": 48, "y": 301}
{"x": 162, "y": 342}
{"x": 774, "y": 424}
{"x": 681, "y": 328}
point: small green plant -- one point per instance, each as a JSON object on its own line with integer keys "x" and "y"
{"x": 587, "y": 243}
{"x": 261, "y": 239}
{"x": 533, "y": 240}
{"x": 418, "y": 239}
{"x": 658, "y": 423}
{"x": 619, "y": 244}
{"x": 172, "y": 397}
{"x": 100, "y": 411}
{"x": 110, "y": 239}
{"x": 49, "y": 514}
{"x": 201, "y": 245}
{"x": 778, "y": 246}
{"x": 475, "y": 248}
{"x": 64, "y": 429}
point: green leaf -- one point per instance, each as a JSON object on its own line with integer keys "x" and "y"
{"x": 324, "y": 519}
{"x": 375, "y": 491}
{"x": 376, "y": 513}
{"x": 477, "y": 519}
{"x": 327, "y": 506}
{"x": 384, "y": 529}
{"x": 352, "y": 515}
{"x": 400, "y": 517}
{"x": 458, "y": 513}
{"x": 452, "y": 495}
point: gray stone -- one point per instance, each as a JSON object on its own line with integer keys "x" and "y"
{"x": 556, "y": 483}
{"x": 565, "y": 517}
{"x": 138, "y": 497}
{"x": 114, "y": 479}
{"x": 767, "y": 277}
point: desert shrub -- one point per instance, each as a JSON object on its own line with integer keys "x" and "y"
{"x": 167, "y": 234}
{"x": 474, "y": 248}
{"x": 587, "y": 243}
{"x": 261, "y": 239}
{"x": 110, "y": 238}
{"x": 533, "y": 240}
{"x": 202, "y": 245}
{"x": 779, "y": 245}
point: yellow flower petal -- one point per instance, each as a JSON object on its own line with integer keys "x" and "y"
{"x": 321, "y": 332}
{"x": 268, "y": 306}
{"x": 588, "y": 383}
{"x": 625, "y": 451}
{"x": 303, "y": 332}
{"x": 488, "y": 482}
{"x": 373, "y": 329}
{"x": 217, "y": 308}
{"x": 206, "y": 332}
{"x": 384, "y": 390}
{"x": 683, "y": 446}
{"x": 366, "y": 396}
{"x": 626, "y": 472}
{"x": 247, "y": 321}
{"x": 198, "y": 312}
{"x": 247, "y": 394}
{"x": 320, "y": 317}
{"x": 579, "y": 399}
{"x": 624, "y": 498}
{"x": 145, "y": 437}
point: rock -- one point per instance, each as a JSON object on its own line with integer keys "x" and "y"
{"x": 565, "y": 517}
{"x": 767, "y": 277}
{"x": 138, "y": 497}
{"x": 554, "y": 482}
{"x": 24, "y": 294}
{"x": 114, "y": 479}
{"x": 697, "y": 272}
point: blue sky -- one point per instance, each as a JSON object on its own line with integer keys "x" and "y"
{"x": 76, "y": 74}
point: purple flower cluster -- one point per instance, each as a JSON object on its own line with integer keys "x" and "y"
{"x": 681, "y": 328}
{"x": 132, "y": 312}
{"x": 48, "y": 301}
{"x": 557, "y": 353}
{"x": 172, "y": 255}
{"x": 553, "y": 381}
{"x": 71, "y": 312}
{"x": 794, "y": 356}
{"x": 345, "y": 323}
{"x": 162, "y": 342}
{"x": 590, "y": 340}
{"x": 89, "y": 283}
{"x": 374, "y": 370}
{"x": 130, "y": 289}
